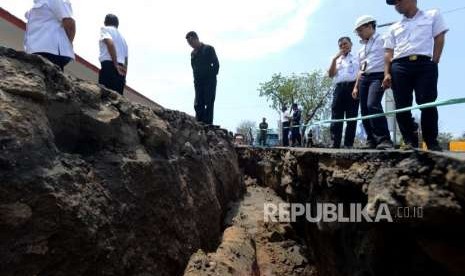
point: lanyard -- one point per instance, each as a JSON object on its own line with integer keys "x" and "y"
{"x": 371, "y": 46}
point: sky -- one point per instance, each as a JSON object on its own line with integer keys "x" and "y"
{"x": 253, "y": 39}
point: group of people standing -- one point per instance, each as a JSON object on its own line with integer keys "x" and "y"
{"x": 50, "y": 32}
{"x": 406, "y": 60}
{"x": 291, "y": 120}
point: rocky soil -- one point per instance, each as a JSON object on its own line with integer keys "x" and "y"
{"x": 430, "y": 244}
{"x": 253, "y": 246}
{"x": 91, "y": 184}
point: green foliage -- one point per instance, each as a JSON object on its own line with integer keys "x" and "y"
{"x": 309, "y": 90}
{"x": 445, "y": 137}
{"x": 245, "y": 126}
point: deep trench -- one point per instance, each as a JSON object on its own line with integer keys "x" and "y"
{"x": 431, "y": 245}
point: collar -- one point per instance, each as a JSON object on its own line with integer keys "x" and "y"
{"x": 373, "y": 37}
{"x": 418, "y": 14}
{"x": 349, "y": 56}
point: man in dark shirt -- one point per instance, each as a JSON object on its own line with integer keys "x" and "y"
{"x": 263, "y": 131}
{"x": 205, "y": 66}
{"x": 295, "y": 131}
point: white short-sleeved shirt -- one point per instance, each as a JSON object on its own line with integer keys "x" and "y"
{"x": 286, "y": 116}
{"x": 346, "y": 68}
{"x": 372, "y": 54}
{"x": 110, "y": 32}
{"x": 44, "y": 30}
{"x": 414, "y": 36}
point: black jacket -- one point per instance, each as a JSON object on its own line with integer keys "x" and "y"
{"x": 296, "y": 116}
{"x": 204, "y": 63}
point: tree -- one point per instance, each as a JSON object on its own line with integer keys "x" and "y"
{"x": 310, "y": 91}
{"x": 445, "y": 137}
{"x": 279, "y": 90}
{"x": 313, "y": 91}
{"x": 463, "y": 136}
{"x": 246, "y": 128}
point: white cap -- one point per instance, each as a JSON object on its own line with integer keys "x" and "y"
{"x": 362, "y": 20}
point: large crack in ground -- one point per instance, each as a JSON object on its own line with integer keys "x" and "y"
{"x": 428, "y": 245}
{"x": 252, "y": 246}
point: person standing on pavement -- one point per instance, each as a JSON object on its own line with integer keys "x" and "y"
{"x": 205, "y": 66}
{"x": 263, "y": 132}
{"x": 286, "y": 123}
{"x": 113, "y": 55}
{"x": 413, "y": 48}
{"x": 295, "y": 126}
{"x": 50, "y": 31}
{"x": 368, "y": 87}
{"x": 343, "y": 70}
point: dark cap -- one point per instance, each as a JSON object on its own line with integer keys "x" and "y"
{"x": 391, "y": 2}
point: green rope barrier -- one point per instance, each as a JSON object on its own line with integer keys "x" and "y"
{"x": 421, "y": 106}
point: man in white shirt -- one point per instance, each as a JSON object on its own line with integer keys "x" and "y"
{"x": 50, "y": 31}
{"x": 413, "y": 49}
{"x": 368, "y": 87}
{"x": 343, "y": 69}
{"x": 286, "y": 117}
{"x": 113, "y": 55}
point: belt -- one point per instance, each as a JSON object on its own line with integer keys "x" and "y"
{"x": 374, "y": 74}
{"x": 109, "y": 61}
{"x": 413, "y": 58}
{"x": 345, "y": 83}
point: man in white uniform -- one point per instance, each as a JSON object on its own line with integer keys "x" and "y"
{"x": 286, "y": 116}
{"x": 413, "y": 49}
{"x": 370, "y": 78}
{"x": 50, "y": 31}
{"x": 113, "y": 55}
{"x": 343, "y": 70}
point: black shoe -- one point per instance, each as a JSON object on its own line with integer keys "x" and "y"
{"x": 385, "y": 145}
{"x": 369, "y": 145}
{"x": 408, "y": 146}
{"x": 434, "y": 147}
{"x": 347, "y": 147}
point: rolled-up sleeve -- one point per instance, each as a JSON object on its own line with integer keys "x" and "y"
{"x": 104, "y": 34}
{"x": 439, "y": 25}
{"x": 389, "y": 41}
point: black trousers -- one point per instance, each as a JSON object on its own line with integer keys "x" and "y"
{"x": 110, "y": 78}
{"x": 286, "y": 130}
{"x": 262, "y": 138}
{"x": 420, "y": 76}
{"x": 371, "y": 94}
{"x": 295, "y": 135}
{"x": 60, "y": 61}
{"x": 343, "y": 105}
{"x": 205, "y": 92}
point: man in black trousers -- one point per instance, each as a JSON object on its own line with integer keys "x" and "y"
{"x": 343, "y": 70}
{"x": 205, "y": 67}
{"x": 295, "y": 131}
{"x": 413, "y": 50}
{"x": 113, "y": 55}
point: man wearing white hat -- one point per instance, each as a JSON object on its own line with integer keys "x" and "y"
{"x": 413, "y": 49}
{"x": 369, "y": 82}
